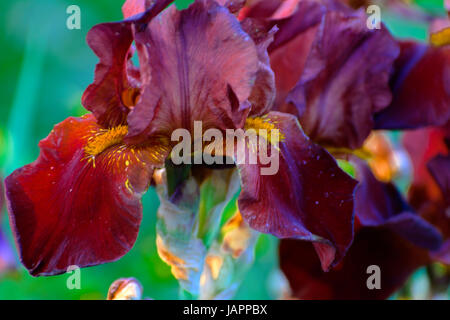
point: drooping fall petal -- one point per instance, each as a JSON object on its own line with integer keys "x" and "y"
{"x": 309, "y": 197}
{"x": 396, "y": 257}
{"x": 114, "y": 89}
{"x": 439, "y": 168}
{"x": 196, "y": 64}
{"x": 381, "y": 204}
{"x": 389, "y": 235}
{"x": 421, "y": 89}
{"x": 79, "y": 202}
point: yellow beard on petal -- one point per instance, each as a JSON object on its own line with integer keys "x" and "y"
{"x": 104, "y": 139}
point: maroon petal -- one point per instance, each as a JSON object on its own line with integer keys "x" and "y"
{"x": 292, "y": 42}
{"x": 309, "y": 198}
{"x": 263, "y": 92}
{"x": 396, "y": 257}
{"x": 196, "y": 64}
{"x": 381, "y": 204}
{"x": 439, "y": 168}
{"x": 345, "y": 80}
{"x": 297, "y": 22}
{"x": 113, "y": 90}
{"x": 72, "y": 208}
{"x": 421, "y": 88}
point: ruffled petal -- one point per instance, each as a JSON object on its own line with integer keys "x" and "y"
{"x": 196, "y": 64}
{"x": 345, "y": 80}
{"x": 396, "y": 257}
{"x": 263, "y": 92}
{"x": 421, "y": 89}
{"x": 71, "y": 207}
{"x": 439, "y": 168}
{"x": 308, "y": 198}
{"x": 381, "y": 204}
{"x": 291, "y": 47}
{"x": 388, "y": 235}
{"x": 114, "y": 89}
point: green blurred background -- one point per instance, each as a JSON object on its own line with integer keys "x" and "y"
{"x": 44, "y": 69}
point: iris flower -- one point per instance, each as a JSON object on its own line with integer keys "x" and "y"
{"x": 397, "y": 236}
{"x": 79, "y": 202}
{"x": 343, "y": 80}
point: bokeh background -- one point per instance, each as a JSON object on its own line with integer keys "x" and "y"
{"x": 44, "y": 69}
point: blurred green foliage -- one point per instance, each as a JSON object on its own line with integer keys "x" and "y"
{"x": 44, "y": 69}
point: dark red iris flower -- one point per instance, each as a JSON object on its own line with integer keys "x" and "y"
{"x": 79, "y": 202}
{"x": 340, "y": 89}
{"x": 388, "y": 234}
{"x": 330, "y": 69}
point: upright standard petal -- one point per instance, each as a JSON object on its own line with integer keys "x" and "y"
{"x": 421, "y": 89}
{"x": 308, "y": 198}
{"x": 114, "y": 89}
{"x": 296, "y": 22}
{"x": 345, "y": 80}
{"x": 79, "y": 202}
{"x": 196, "y": 64}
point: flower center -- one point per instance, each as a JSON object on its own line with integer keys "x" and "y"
{"x": 104, "y": 139}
